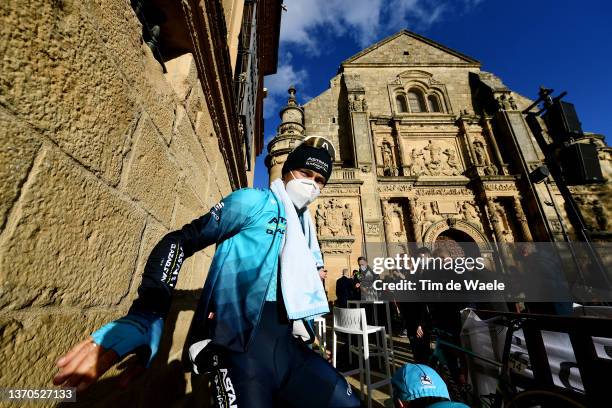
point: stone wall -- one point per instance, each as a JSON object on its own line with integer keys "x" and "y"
{"x": 101, "y": 154}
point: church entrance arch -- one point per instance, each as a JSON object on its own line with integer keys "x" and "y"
{"x": 457, "y": 243}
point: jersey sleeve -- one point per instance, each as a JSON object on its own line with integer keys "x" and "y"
{"x": 162, "y": 268}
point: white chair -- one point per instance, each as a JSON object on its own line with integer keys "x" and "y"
{"x": 320, "y": 326}
{"x": 353, "y": 323}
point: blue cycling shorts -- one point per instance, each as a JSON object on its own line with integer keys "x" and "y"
{"x": 279, "y": 371}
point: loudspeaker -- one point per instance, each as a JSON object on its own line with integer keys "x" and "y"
{"x": 580, "y": 164}
{"x": 562, "y": 121}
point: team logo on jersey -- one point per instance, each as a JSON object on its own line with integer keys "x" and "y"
{"x": 425, "y": 380}
{"x": 216, "y": 211}
{"x": 226, "y": 395}
{"x": 276, "y": 225}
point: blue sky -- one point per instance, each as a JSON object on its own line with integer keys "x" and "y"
{"x": 562, "y": 44}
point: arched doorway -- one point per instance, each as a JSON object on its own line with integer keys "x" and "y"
{"x": 457, "y": 243}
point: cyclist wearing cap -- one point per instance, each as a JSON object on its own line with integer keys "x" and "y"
{"x": 251, "y": 329}
{"x": 419, "y": 386}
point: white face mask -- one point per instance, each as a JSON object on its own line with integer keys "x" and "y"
{"x": 302, "y": 191}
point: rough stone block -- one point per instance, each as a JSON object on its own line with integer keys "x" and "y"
{"x": 37, "y": 341}
{"x": 56, "y": 75}
{"x": 121, "y": 33}
{"x": 190, "y": 154}
{"x": 182, "y": 74}
{"x": 151, "y": 176}
{"x": 72, "y": 241}
{"x": 188, "y": 207}
{"x": 153, "y": 233}
{"x": 196, "y": 106}
{"x": 18, "y": 147}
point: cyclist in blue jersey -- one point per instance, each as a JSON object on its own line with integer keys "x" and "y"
{"x": 252, "y": 327}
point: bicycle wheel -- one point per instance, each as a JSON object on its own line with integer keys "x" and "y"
{"x": 541, "y": 398}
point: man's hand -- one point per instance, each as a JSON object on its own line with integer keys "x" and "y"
{"x": 419, "y": 332}
{"x": 86, "y": 362}
{"x": 89, "y": 360}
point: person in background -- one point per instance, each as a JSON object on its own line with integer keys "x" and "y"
{"x": 420, "y": 386}
{"x": 356, "y": 294}
{"x": 417, "y": 319}
{"x": 367, "y": 279}
{"x": 344, "y": 289}
{"x": 323, "y": 275}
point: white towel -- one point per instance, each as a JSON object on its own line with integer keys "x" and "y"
{"x": 301, "y": 285}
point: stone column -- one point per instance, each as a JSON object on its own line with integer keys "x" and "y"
{"x": 414, "y": 217}
{"x": 386, "y": 223}
{"x": 495, "y": 220}
{"x": 522, "y": 219}
{"x": 486, "y": 122}
{"x": 470, "y": 140}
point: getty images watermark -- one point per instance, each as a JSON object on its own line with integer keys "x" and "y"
{"x": 484, "y": 272}
{"x": 427, "y": 266}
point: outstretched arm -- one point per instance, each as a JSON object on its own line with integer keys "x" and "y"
{"x": 140, "y": 330}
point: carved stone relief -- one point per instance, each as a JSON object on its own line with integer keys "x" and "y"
{"x": 333, "y": 218}
{"x": 436, "y": 158}
{"x": 357, "y": 103}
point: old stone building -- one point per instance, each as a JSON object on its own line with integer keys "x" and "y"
{"x": 428, "y": 148}
{"x": 119, "y": 121}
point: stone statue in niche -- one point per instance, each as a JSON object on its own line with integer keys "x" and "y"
{"x": 347, "y": 219}
{"x": 356, "y": 103}
{"x": 398, "y": 222}
{"x": 503, "y": 103}
{"x": 351, "y": 102}
{"x": 364, "y": 104}
{"x": 334, "y": 217}
{"x": 416, "y": 165}
{"x": 470, "y": 213}
{"x": 481, "y": 156}
{"x": 320, "y": 219}
{"x": 452, "y": 163}
{"x": 389, "y": 168}
{"x": 512, "y": 103}
{"x": 490, "y": 170}
{"x": 428, "y": 215}
{"x": 433, "y": 156}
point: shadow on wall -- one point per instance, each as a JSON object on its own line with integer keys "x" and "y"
{"x": 164, "y": 384}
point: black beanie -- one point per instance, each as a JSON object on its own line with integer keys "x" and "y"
{"x": 308, "y": 157}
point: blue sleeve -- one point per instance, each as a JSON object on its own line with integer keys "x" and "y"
{"x": 161, "y": 271}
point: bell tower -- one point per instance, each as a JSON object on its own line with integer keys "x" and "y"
{"x": 288, "y": 135}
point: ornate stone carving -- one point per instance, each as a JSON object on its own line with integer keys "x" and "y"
{"x": 481, "y": 155}
{"x": 499, "y": 186}
{"x": 394, "y": 188}
{"x": 336, "y": 245}
{"x": 357, "y": 103}
{"x": 340, "y": 191}
{"x": 333, "y": 218}
{"x": 443, "y": 191}
{"x": 433, "y": 157}
{"x": 389, "y": 165}
{"x": 469, "y": 212}
{"x": 522, "y": 219}
{"x": 372, "y": 228}
{"x": 416, "y": 163}
{"x": 452, "y": 167}
{"x": 428, "y": 215}
{"x": 320, "y": 219}
{"x": 433, "y": 160}
{"x": 347, "y": 219}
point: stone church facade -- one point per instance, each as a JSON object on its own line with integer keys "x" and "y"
{"x": 428, "y": 148}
